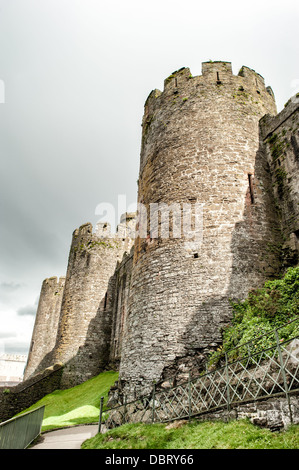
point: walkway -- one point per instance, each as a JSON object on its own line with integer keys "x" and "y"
{"x": 69, "y": 438}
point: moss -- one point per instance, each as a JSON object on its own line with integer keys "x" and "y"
{"x": 168, "y": 79}
{"x": 101, "y": 243}
{"x": 280, "y": 178}
{"x": 147, "y": 124}
{"x": 276, "y": 146}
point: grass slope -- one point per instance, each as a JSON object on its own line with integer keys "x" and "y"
{"x": 195, "y": 435}
{"x": 77, "y": 405}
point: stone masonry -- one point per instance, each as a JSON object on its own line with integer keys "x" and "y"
{"x": 281, "y": 142}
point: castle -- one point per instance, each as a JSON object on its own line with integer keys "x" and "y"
{"x": 214, "y": 152}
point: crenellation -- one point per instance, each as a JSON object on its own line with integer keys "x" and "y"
{"x": 85, "y": 229}
{"x": 176, "y": 79}
{"x": 103, "y": 230}
{"x": 217, "y": 72}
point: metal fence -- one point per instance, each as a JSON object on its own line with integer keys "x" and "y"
{"x": 20, "y": 431}
{"x": 265, "y": 367}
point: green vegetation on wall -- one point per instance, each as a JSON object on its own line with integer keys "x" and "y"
{"x": 272, "y": 306}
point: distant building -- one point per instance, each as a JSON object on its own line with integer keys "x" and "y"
{"x": 12, "y": 369}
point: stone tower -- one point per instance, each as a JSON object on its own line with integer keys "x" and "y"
{"x": 46, "y": 323}
{"x": 84, "y": 330}
{"x": 200, "y": 149}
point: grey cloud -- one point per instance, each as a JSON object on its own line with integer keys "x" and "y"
{"x": 9, "y": 286}
{"x": 16, "y": 347}
{"x": 27, "y": 310}
{"x": 8, "y": 334}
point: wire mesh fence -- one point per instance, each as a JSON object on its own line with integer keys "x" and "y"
{"x": 249, "y": 372}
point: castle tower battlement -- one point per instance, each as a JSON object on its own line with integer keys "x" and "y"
{"x": 73, "y": 321}
{"x": 200, "y": 146}
{"x": 83, "y": 333}
{"x": 242, "y": 94}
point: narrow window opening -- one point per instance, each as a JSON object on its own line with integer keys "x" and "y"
{"x": 250, "y": 178}
{"x": 88, "y": 260}
{"x": 218, "y": 78}
{"x": 105, "y": 301}
{"x": 176, "y": 82}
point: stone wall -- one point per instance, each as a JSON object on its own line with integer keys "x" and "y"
{"x": 200, "y": 147}
{"x": 122, "y": 286}
{"x": 15, "y": 399}
{"x": 271, "y": 413}
{"x": 281, "y": 141}
{"x": 46, "y": 324}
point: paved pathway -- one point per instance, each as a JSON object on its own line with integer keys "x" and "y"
{"x": 69, "y": 438}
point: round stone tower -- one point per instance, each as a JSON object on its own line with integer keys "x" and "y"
{"x": 46, "y": 323}
{"x": 84, "y": 329}
{"x": 201, "y": 172}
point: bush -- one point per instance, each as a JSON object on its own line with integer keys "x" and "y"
{"x": 265, "y": 309}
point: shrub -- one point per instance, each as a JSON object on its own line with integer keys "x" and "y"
{"x": 272, "y": 306}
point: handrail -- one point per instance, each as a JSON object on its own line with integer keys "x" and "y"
{"x": 18, "y": 432}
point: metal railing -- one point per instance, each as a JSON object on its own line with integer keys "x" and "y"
{"x": 20, "y": 431}
{"x": 249, "y": 372}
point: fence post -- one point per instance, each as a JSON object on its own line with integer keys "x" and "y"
{"x": 284, "y": 376}
{"x": 125, "y": 408}
{"x": 101, "y": 412}
{"x": 249, "y": 351}
{"x": 227, "y": 383}
{"x": 153, "y": 408}
{"x": 189, "y": 395}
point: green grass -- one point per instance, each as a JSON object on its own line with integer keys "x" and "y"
{"x": 195, "y": 435}
{"x": 77, "y": 405}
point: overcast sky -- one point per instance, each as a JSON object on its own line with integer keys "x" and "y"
{"x": 74, "y": 76}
